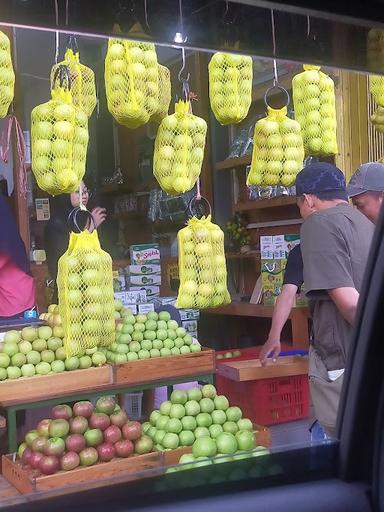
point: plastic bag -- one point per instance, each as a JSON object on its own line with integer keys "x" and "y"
{"x": 179, "y": 150}
{"x": 7, "y": 75}
{"x": 86, "y": 300}
{"x": 314, "y": 105}
{"x": 83, "y": 88}
{"x": 131, "y": 81}
{"x": 164, "y": 94}
{"x": 202, "y": 265}
{"x": 230, "y": 87}
{"x": 278, "y": 151}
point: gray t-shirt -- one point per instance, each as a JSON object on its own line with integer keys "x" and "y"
{"x": 335, "y": 244}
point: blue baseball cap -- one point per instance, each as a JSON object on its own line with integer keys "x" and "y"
{"x": 323, "y": 180}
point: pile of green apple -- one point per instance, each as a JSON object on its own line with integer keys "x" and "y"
{"x": 314, "y": 105}
{"x": 229, "y": 355}
{"x": 278, "y": 151}
{"x": 200, "y": 416}
{"x": 146, "y": 336}
{"x": 41, "y": 351}
{"x": 82, "y": 435}
{"x": 230, "y": 87}
{"x": 131, "y": 81}
{"x": 7, "y": 75}
{"x": 203, "y": 271}
{"x": 179, "y": 150}
{"x": 59, "y": 136}
{"x": 120, "y": 310}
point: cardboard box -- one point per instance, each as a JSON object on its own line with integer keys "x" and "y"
{"x": 138, "y": 270}
{"x": 266, "y": 247}
{"x": 144, "y": 280}
{"x": 133, "y": 308}
{"x": 131, "y": 297}
{"x": 189, "y": 314}
{"x": 144, "y": 254}
{"x": 190, "y": 326}
{"x": 272, "y": 276}
{"x": 143, "y": 309}
{"x": 151, "y": 291}
{"x": 119, "y": 284}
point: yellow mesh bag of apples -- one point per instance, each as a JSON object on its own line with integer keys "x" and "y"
{"x": 131, "y": 81}
{"x": 164, "y": 94}
{"x": 278, "y": 150}
{"x": 202, "y": 265}
{"x": 83, "y": 86}
{"x": 179, "y": 150}
{"x": 7, "y": 75}
{"x": 86, "y": 300}
{"x": 230, "y": 87}
{"x": 59, "y": 139}
{"x": 377, "y": 119}
{"x": 314, "y": 105}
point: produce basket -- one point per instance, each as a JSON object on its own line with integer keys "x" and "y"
{"x": 277, "y": 398}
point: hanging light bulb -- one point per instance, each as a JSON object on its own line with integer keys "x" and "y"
{"x": 178, "y": 38}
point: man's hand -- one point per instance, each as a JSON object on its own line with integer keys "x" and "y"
{"x": 99, "y": 215}
{"x": 272, "y": 347}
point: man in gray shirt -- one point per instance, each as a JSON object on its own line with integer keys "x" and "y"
{"x": 335, "y": 242}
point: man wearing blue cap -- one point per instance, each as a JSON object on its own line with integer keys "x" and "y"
{"x": 335, "y": 241}
{"x": 366, "y": 189}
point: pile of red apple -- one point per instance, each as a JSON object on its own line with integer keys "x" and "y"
{"x": 83, "y": 435}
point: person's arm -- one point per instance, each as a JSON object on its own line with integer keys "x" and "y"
{"x": 346, "y": 300}
{"x": 282, "y": 309}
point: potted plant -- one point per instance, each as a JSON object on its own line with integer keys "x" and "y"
{"x": 238, "y": 234}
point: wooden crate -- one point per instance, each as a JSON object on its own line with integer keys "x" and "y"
{"x": 25, "y": 482}
{"x": 165, "y": 368}
{"x": 253, "y": 370}
{"x": 262, "y": 438}
{"x": 29, "y": 389}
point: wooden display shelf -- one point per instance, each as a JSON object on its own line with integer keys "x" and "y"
{"x": 232, "y": 163}
{"x": 286, "y": 366}
{"x": 27, "y": 389}
{"x": 258, "y": 310}
{"x": 25, "y": 482}
{"x": 243, "y": 256}
{"x": 262, "y": 438}
{"x": 273, "y": 202}
{"x": 116, "y": 188}
{"x": 157, "y": 369}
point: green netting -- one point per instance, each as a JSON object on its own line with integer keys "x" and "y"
{"x": 179, "y": 150}
{"x": 230, "y": 87}
{"x": 7, "y": 75}
{"x": 377, "y": 119}
{"x": 278, "y": 151}
{"x": 86, "y": 300}
{"x": 376, "y": 88}
{"x": 202, "y": 265}
{"x": 314, "y": 104}
{"x": 131, "y": 81}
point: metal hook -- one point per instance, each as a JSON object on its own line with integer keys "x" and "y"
{"x": 72, "y": 43}
{"x": 180, "y": 77}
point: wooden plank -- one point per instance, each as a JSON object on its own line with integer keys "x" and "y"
{"x": 6, "y": 489}
{"x": 160, "y": 368}
{"x": 232, "y": 163}
{"x": 273, "y": 202}
{"x": 253, "y": 370}
{"x": 247, "y": 309}
{"x": 29, "y": 389}
{"x": 24, "y": 481}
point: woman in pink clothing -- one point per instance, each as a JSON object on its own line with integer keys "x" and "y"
{"x": 17, "y": 288}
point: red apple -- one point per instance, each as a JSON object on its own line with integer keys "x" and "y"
{"x": 55, "y": 446}
{"x": 124, "y": 448}
{"x": 106, "y": 452}
{"x": 106, "y": 404}
{"x": 119, "y": 418}
{"x": 88, "y": 456}
{"x": 25, "y": 459}
{"x": 43, "y": 427}
{"x": 39, "y": 444}
{"x": 34, "y": 460}
{"x": 132, "y": 430}
{"x": 61, "y": 412}
{"x": 93, "y": 437}
{"x": 69, "y": 461}
{"x": 112, "y": 434}
{"x": 99, "y": 420}
{"x": 75, "y": 443}
{"x": 83, "y": 408}
{"x": 78, "y": 425}
{"x": 49, "y": 465}
{"x": 58, "y": 428}
{"x": 143, "y": 445}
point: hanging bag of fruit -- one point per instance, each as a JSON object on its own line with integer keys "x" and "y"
{"x": 314, "y": 105}
{"x": 278, "y": 151}
{"x": 230, "y": 87}
{"x": 179, "y": 150}
{"x": 7, "y": 75}
{"x": 59, "y": 139}
{"x": 202, "y": 265}
{"x": 85, "y": 286}
{"x": 131, "y": 81}
{"x": 164, "y": 94}
{"x": 83, "y": 88}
